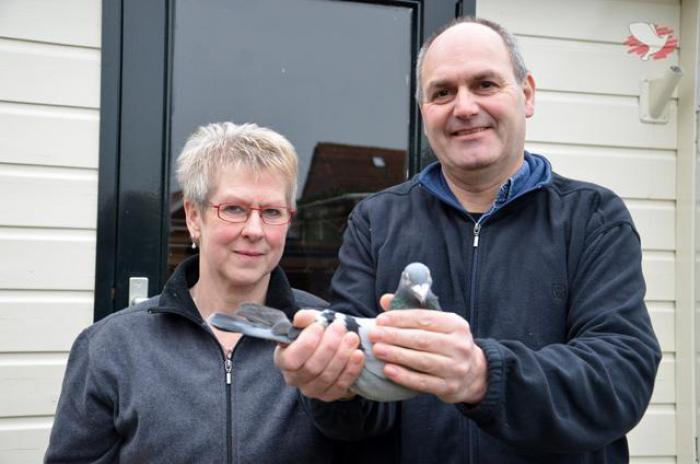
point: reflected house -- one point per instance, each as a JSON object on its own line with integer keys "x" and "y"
{"x": 339, "y": 177}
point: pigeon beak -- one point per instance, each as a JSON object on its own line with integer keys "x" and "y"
{"x": 421, "y": 291}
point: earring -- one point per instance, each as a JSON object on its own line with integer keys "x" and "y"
{"x": 194, "y": 244}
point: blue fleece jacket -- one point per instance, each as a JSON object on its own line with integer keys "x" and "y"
{"x": 554, "y": 294}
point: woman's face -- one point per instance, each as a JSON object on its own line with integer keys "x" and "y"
{"x": 240, "y": 256}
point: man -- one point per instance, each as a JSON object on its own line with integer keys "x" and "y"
{"x": 545, "y": 351}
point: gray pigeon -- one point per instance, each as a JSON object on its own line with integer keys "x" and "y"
{"x": 261, "y": 321}
{"x": 414, "y": 290}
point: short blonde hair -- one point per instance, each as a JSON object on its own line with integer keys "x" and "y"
{"x": 222, "y": 144}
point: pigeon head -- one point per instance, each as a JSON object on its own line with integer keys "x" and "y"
{"x": 416, "y": 277}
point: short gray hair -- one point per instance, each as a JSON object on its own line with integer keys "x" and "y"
{"x": 516, "y": 57}
{"x": 215, "y": 146}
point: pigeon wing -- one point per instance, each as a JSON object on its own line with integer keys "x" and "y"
{"x": 257, "y": 321}
{"x": 265, "y": 316}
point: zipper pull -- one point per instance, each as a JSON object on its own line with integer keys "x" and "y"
{"x": 228, "y": 366}
{"x": 477, "y": 229}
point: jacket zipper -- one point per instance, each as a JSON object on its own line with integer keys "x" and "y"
{"x": 472, "y": 323}
{"x": 472, "y": 287}
{"x": 228, "y": 367}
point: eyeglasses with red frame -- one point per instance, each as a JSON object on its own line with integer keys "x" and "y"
{"x": 237, "y": 213}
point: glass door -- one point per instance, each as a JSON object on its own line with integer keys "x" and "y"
{"x": 335, "y": 77}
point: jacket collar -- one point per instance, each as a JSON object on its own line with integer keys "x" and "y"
{"x": 534, "y": 173}
{"x": 176, "y": 296}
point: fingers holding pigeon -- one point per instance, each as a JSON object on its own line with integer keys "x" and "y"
{"x": 385, "y": 301}
{"x": 432, "y": 352}
{"x": 340, "y": 387}
{"x": 305, "y": 317}
{"x": 321, "y": 363}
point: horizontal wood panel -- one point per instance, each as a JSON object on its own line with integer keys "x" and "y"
{"x": 660, "y": 276}
{"x": 655, "y": 435}
{"x": 597, "y": 120}
{"x": 47, "y": 260}
{"x": 655, "y": 222}
{"x": 654, "y": 170}
{"x": 32, "y": 389}
{"x": 43, "y": 321}
{"x": 664, "y": 323}
{"x": 590, "y": 67}
{"x": 597, "y": 20}
{"x": 665, "y": 386}
{"x": 24, "y": 440}
{"x": 51, "y": 197}
{"x": 652, "y": 460}
{"x": 44, "y": 135}
{"x": 72, "y": 22}
{"x": 49, "y": 74}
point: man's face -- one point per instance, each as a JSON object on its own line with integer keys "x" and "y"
{"x": 473, "y": 109}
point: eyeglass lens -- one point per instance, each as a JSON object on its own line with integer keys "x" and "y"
{"x": 240, "y": 213}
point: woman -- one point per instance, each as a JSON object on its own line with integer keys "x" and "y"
{"x": 156, "y": 383}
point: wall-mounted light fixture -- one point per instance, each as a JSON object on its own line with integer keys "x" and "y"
{"x": 655, "y": 95}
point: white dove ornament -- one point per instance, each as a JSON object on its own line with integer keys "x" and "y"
{"x": 646, "y": 34}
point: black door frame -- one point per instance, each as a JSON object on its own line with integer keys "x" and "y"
{"x": 132, "y": 234}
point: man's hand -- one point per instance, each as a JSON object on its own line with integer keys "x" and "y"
{"x": 322, "y": 364}
{"x": 431, "y": 352}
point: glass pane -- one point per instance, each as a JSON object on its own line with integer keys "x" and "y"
{"x": 333, "y": 77}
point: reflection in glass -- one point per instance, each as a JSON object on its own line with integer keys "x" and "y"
{"x": 339, "y": 177}
{"x": 333, "y": 77}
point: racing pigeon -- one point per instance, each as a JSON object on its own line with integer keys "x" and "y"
{"x": 261, "y": 321}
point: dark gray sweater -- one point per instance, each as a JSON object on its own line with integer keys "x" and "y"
{"x": 148, "y": 384}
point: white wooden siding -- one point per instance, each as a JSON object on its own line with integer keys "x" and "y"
{"x": 21, "y": 439}
{"x": 54, "y": 74}
{"x": 587, "y": 123}
{"x": 68, "y": 22}
{"x": 48, "y": 135}
{"x": 47, "y": 259}
{"x": 49, "y": 116}
{"x": 57, "y": 315}
{"x": 590, "y": 67}
{"x": 599, "y": 120}
{"x": 654, "y": 170}
{"x": 596, "y": 21}
{"x": 72, "y": 203}
{"x": 30, "y": 379}
{"x": 652, "y": 460}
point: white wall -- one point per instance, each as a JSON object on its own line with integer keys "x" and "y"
{"x": 587, "y": 123}
{"x": 49, "y": 100}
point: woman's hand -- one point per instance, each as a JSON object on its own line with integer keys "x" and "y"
{"x": 322, "y": 364}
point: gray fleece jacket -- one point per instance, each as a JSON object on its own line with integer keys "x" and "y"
{"x": 150, "y": 384}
